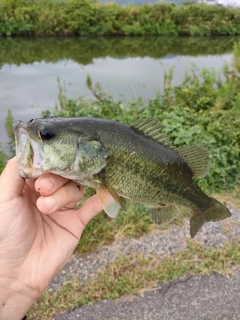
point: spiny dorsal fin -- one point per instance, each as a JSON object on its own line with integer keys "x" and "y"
{"x": 152, "y": 128}
{"x": 197, "y": 158}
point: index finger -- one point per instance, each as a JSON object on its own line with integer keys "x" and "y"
{"x": 49, "y": 183}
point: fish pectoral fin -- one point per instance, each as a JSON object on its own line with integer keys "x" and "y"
{"x": 110, "y": 201}
{"x": 163, "y": 214}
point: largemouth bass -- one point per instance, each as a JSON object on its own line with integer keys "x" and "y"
{"x": 136, "y": 162}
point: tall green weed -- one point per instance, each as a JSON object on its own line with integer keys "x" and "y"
{"x": 202, "y": 110}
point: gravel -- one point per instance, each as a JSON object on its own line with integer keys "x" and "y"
{"x": 159, "y": 242}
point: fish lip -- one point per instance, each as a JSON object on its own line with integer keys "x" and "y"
{"x": 17, "y": 125}
{"x": 30, "y": 173}
{"x": 27, "y": 152}
{"x": 22, "y": 141}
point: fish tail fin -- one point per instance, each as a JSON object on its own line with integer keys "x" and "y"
{"x": 215, "y": 212}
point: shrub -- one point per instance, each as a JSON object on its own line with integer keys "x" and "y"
{"x": 90, "y": 17}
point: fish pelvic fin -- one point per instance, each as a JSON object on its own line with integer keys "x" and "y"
{"x": 163, "y": 214}
{"x": 215, "y": 212}
{"x": 110, "y": 201}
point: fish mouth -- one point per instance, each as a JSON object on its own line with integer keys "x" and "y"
{"x": 28, "y": 152}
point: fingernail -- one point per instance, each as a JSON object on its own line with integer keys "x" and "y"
{"x": 47, "y": 183}
{"x": 49, "y": 202}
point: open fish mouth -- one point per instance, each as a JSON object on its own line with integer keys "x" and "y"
{"x": 27, "y": 153}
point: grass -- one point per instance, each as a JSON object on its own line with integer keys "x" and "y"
{"x": 134, "y": 273}
{"x": 104, "y": 230}
{"x": 133, "y": 223}
{"x": 232, "y": 197}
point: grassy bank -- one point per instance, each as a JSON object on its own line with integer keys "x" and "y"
{"x": 91, "y": 18}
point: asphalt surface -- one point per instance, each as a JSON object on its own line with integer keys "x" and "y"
{"x": 198, "y": 297}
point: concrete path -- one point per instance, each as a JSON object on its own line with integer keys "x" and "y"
{"x": 198, "y": 297}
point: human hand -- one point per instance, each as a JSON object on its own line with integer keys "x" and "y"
{"x": 39, "y": 230}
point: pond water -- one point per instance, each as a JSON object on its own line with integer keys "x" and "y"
{"x": 132, "y": 67}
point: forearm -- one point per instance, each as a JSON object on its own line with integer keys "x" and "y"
{"x": 15, "y": 300}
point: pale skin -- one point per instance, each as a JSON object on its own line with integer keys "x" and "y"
{"x": 39, "y": 229}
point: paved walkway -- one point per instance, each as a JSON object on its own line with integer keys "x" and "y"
{"x": 199, "y": 297}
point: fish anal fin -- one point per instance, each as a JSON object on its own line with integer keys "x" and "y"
{"x": 152, "y": 128}
{"x": 197, "y": 158}
{"x": 163, "y": 214}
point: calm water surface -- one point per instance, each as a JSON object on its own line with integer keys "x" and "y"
{"x": 124, "y": 66}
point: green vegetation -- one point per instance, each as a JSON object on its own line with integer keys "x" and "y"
{"x": 90, "y": 17}
{"x": 203, "y": 110}
{"x": 132, "y": 273}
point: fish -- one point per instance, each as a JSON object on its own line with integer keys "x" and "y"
{"x": 137, "y": 162}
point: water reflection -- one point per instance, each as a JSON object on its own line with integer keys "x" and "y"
{"x": 83, "y": 50}
{"x": 129, "y": 66}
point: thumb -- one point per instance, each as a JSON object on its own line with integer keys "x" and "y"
{"x": 11, "y": 183}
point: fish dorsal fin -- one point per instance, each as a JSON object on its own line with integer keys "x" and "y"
{"x": 197, "y": 158}
{"x": 152, "y": 128}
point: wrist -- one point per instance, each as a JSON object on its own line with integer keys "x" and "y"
{"x": 15, "y": 299}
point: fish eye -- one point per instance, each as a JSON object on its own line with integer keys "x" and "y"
{"x": 46, "y": 134}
